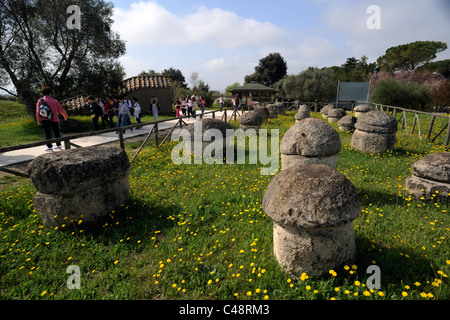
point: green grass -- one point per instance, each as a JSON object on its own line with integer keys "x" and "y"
{"x": 199, "y": 232}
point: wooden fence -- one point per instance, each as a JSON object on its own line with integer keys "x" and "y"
{"x": 66, "y": 140}
{"x": 402, "y": 120}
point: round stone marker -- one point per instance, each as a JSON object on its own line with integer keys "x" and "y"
{"x": 303, "y": 113}
{"x": 312, "y": 207}
{"x": 430, "y": 178}
{"x": 310, "y": 141}
{"x": 360, "y": 110}
{"x": 375, "y": 132}
{"x": 250, "y": 120}
{"x": 334, "y": 115}
{"x": 347, "y": 123}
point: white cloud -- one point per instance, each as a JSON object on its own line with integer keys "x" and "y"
{"x": 401, "y": 22}
{"x": 150, "y": 24}
{"x": 224, "y": 47}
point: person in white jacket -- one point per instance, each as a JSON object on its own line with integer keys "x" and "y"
{"x": 137, "y": 110}
{"x": 124, "y": 111}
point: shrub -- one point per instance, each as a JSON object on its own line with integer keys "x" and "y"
{"x": 402, "y": 94}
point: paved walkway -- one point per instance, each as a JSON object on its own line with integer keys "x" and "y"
{"x": 25, "y": 155}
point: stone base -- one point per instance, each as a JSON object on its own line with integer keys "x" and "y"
{"x": 288, "y": 161}
{"x": 314, "y": 252}
{"x": 88, "y": 206}
{"x": 372, "y": 142}
{"x": 359, "y": 114}
{"x": 415, "y": 185}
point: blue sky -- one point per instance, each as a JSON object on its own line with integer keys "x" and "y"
{"x": 224, "y": 40}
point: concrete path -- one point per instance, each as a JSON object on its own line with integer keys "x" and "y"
{"x": 25, "y": 155}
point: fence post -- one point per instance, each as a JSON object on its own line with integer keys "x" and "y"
{"x": 447, "y": 137}
{"x": 67, "y": 145}
{"x": 414, "y": 123}
{"x": 156, "y": 135}
{"x": 404, "y": 122}
{"x": 122, "y": 143}
{"x": 430, "y": 127}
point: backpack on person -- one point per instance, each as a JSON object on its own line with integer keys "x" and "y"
{"x": 45, "y": 111}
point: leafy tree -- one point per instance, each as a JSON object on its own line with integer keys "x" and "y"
{"x": 354, "y": 70}
{"x": 411, "y": 55}
{"x": 402, "y": 94}
{"x": 309, "y": 85}
{"x": 38, "y": 48}
{"x": 231, "y": 87}
{"x": 270, "y": 70}
{"x": 150, "y": 72}
{"x": 175, "y": 75}
{"x": 441, "y": 67}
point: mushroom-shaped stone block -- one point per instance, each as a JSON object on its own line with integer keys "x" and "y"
{"x": 79, "y": 184}
{"x": 263, "y": 112}
{"x": 375, "y": 132}
{"x": 430, "y": 178}
{"x": 326, "y": 109}
{"x": 251, "y": 120}
{"x": 303, "y": 113}
{"x": 334, "y": 115}
{"x": 360, "y": 110}
{"x": 311, "y": 140}
{"x": 312, "y": 208}
{"x": 347, "y": 123}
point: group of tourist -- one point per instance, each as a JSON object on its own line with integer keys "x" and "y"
{"x": 48, "y": 108}
{"x": 119, "y": 106}
{"x": 187, "y": 106}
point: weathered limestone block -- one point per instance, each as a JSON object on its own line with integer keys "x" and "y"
{"x": 334, "y": 115}
{"x": 326, "y": 109}
{"x": 250, "y": 120}
{"x": 281, "y": 107}
{"x": 303, "y": 113}
{"x": 347, "y": 123}
{"x": 313, "y": 229}
{"x": 78, "y": 169}
{"x": 375, "y": 132}
{"x": 430, "y": 178}
{"x": 263, "y": 112}
{"x": 79, "y": 184}
{"x": 206, "y": 131}
{"x": 273, "y": 111}
{"x": 86, "y": 205}
{"x": 360, "y": 110}
{"x": 310, "y": 141}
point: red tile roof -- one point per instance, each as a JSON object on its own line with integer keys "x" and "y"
{"x": 128, "y": 85}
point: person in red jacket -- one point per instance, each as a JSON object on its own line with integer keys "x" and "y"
{"x": 50, "y": 124}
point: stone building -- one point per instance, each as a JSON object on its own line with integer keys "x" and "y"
{"x": 142, "y": 87}
{"x": 145, "y": 86}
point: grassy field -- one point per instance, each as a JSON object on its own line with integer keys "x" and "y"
{"x": 199, "y": 232}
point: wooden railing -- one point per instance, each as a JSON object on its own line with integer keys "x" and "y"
{"x": 66, "y": 140}
{"x": 416, "y": 122}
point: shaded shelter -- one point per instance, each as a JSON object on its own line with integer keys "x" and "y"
{"x": 254, "y": 89}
